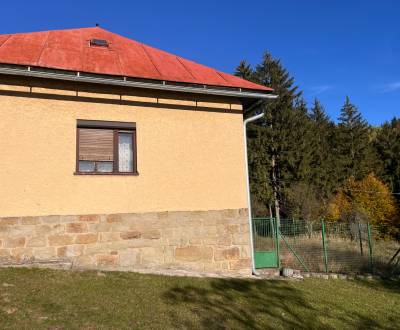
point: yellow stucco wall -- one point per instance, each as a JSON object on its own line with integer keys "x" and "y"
{"x": 187, "y": 159}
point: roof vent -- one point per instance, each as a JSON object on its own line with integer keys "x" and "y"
{"x": 99, "y": 42}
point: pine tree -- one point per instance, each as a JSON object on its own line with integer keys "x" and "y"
{"x": 270, "y": 72}
{"x": 261, "y": 185}
{"x": 354, "y": 145}
{"x": 322, "y": 166}
{"x": 244, "y": 71}
{"x": 302, "y": 157}
{"x": 387, "y": 146}
{"x": 318, "y": 114}
{"x": 278, "y": 147}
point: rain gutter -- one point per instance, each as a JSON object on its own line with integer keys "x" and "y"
{"x": 28, "y": 71}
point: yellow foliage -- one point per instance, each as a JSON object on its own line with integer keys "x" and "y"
{"x": 338, "y": 205}
{"x": 368, "y": 198}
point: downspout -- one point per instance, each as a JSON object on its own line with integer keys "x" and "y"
{"x": 249, "y": 120}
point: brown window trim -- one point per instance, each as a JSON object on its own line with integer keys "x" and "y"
{"x": 82, "y": 123}
{"x": 116, "y": 127}
{"x": 108, "y": 173}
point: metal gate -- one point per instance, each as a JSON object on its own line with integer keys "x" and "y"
{"x": 266, "y": 247}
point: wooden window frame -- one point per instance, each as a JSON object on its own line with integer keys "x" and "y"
{"x": 116, "y": 127}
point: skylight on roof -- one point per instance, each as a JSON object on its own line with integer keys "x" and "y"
{"x": 99, "y": 42}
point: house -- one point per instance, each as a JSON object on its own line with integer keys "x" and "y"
{"x": 117, "y": 155}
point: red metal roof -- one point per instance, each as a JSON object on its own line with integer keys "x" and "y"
{"x": 71, "y": 50}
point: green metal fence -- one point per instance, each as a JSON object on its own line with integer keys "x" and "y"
{"x": 324, "y": 246}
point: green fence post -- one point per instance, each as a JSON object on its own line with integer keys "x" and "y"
{"x": 371, "y": 261}
{"x": 277, "y": 240}
{"x": 324, "y": 245}
{"x": 360, "y": 239}
{"x": 294, "y": 231}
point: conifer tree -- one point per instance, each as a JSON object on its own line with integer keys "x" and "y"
{"x": 301, "y": 157}
{"x": 280, "y": 136}
{"x": 322, "y": 165}
{"x": 355, "y": 152}
{"x": 244, "y": 71}
{"x": 387, "y": 146}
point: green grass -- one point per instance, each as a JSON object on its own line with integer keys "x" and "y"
{"x": 50, "y": 299}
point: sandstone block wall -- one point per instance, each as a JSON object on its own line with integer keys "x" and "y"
{"x": 201, "y": 241}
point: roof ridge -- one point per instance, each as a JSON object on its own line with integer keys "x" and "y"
{"x": 8, "y": 37}
{"x": 149, "y": 57}
{"x": 44, "y": 45}
{"x": 219, "y": 74}
{"x": 183, "y": 64}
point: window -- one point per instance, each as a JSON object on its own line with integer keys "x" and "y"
{"x": 106, "y": 147}
{"x": 99, "y": 42}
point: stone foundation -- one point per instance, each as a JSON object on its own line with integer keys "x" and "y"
{"x": 197, "y": 241}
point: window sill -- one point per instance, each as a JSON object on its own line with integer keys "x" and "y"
{"x": 109, "y": 173}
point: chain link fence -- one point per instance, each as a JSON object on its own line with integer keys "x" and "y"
{"x": 337, "y": 247}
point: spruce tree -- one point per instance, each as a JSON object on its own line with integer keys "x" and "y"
{"x": 278, "y": 145}
{"x": 318, "y": 114}
{"x": 244, "y": 71}
{"x": 355, "y": 151}
{"x": 322, "y": 166}
{"x": 387, "y": 146}
{"x": 261, "y": 184}
{"x": 302, "y": 158}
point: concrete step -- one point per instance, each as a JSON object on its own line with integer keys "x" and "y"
{"x": 269, "y": 272}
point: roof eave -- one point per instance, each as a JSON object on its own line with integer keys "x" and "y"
{"x": 20, "y": 70}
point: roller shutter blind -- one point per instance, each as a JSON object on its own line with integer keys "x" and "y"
{"x": 96, "y": 144}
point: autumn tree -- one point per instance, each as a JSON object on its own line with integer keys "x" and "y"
{"x": 367, "y": 200}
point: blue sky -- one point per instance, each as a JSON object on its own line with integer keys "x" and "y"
{"x": 332, "y": 48}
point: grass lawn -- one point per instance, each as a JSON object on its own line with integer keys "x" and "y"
{"x": 53, "y": 299}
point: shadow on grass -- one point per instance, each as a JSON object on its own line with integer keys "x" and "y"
{"x": 233, "y": 304}
{"x": 392, "y": 286}
{"x": 237, "y": 303}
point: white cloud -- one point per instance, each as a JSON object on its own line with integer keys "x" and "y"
{"x": 317, "y": 90}
{"x": 390, "y": 87}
